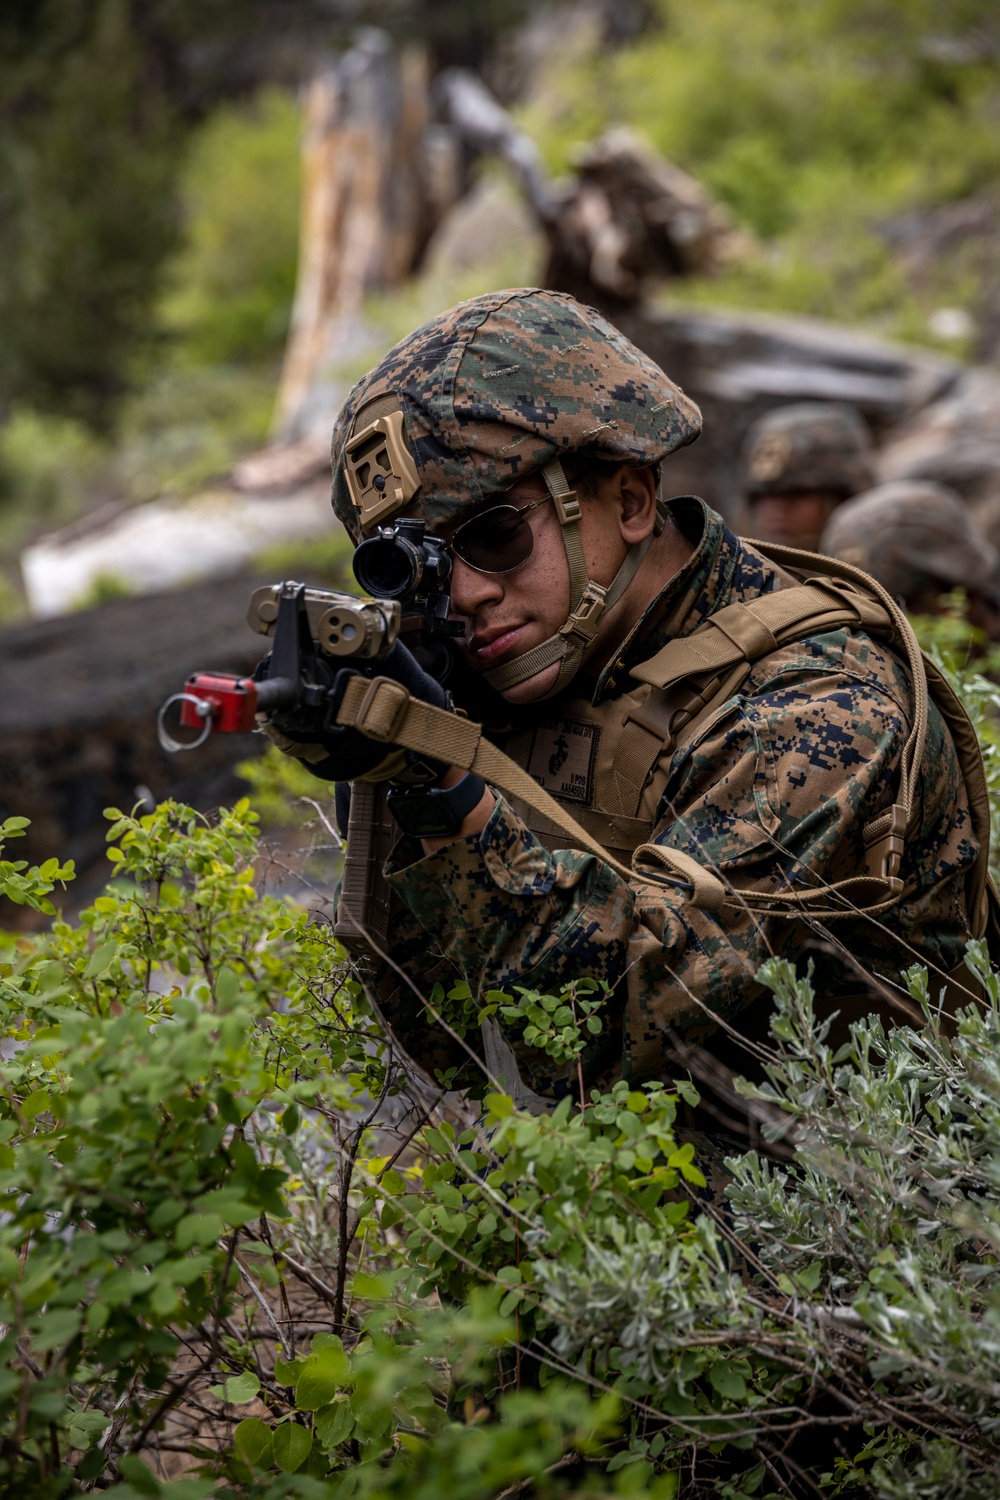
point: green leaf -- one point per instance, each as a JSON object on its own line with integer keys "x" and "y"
{"x": 101, "y": 958}
{"x": 55, "y": 1327}
{"x": 227, "y": 988}
{"x": 334, "y": 1424}
{"x": 287, "y": 1371}
{"x": 372, "y": 1288}
{"x": 323, "y": 1376}
{"x": 238, "y": 1388}
{"x": 85, "y": 1427}
{"x": 35, "y": 1103}
{"x": 727, "y": 1381}
{"x": 292, "y": 1444}
{"x": 254, "y": 1443}
{"x": 198, "y": 1229}
{"x": 809, "y": 1279}
{"x": 139, "y": 1477}
{"x": 290, "y": 1119}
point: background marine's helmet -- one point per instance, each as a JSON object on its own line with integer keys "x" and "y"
{"x": 914, "y": 538}
{"x": 812, "y": 446}
{"x": 490, "y": 391}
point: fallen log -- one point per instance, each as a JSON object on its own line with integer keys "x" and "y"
{"x": 78, "y": 702}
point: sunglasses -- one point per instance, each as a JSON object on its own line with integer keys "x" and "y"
{"x": 498, "y": 540}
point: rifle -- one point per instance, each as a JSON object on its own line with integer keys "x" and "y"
{"x": 321, "y": 638}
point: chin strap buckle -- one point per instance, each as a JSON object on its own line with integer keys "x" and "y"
{"x": 584, "y": 620}
{"x": 567, "y": 506}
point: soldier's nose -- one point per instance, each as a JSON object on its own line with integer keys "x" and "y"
{"x": 470, "y": 590}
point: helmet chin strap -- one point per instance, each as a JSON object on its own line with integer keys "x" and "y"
{"x": 588, "y": 600}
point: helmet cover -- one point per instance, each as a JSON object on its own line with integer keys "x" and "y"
{"x": 812, "y": 445}
{"x": 490, "y": 391}
{"x": 910, "y": 536}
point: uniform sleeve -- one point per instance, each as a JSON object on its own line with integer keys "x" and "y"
{"x": 772, "y": 796}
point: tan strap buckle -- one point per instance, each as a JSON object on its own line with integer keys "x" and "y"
{"x": 884, "y": 845}
{"x": 382, "y": 710}
{"x": 567, "y": 507}
{"x": 585, "y": 618}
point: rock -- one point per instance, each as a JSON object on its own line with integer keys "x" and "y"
{"x": 489, "y": 222}
{"x": 955, "y": 441}
{"x": 737, "y": 366}
{"x": 168, "y": 543}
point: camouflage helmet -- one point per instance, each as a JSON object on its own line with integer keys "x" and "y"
{"x": 813, "y": 445}
{"x": 913, "y": 537}
{"x": 489, "y": 391}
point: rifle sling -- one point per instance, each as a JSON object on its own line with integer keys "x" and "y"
{"x": 383, "y": 709}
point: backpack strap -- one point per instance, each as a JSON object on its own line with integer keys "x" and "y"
{"x": 716, "y": 658}
{"x": 693, "y": 676}
{"x": 980, "y": 894}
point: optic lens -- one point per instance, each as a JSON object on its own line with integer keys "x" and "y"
{"x": 497, "y": 541}
{"x": 387, "y": 568}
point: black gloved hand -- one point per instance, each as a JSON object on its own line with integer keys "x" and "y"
{"x": 346, "y": 754}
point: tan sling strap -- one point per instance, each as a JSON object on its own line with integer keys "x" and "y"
{"x": 383, "y": 709}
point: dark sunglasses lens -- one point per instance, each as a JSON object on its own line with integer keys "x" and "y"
{"x": 495, "y": 542}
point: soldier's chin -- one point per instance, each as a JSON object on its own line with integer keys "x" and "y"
{"x": 533, "y": 688}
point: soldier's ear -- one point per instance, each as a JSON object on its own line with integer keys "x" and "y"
{"x": 636, "y": 503}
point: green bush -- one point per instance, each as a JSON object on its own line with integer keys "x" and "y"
{"x": 223, "y": 1272}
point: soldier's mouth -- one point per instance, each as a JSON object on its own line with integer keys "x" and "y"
{"x": 489, "y": 646}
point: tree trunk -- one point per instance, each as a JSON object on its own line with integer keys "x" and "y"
{"x": 370, "y": 200}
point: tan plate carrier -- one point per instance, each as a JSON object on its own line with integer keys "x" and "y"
{"x": 679, "y": 689}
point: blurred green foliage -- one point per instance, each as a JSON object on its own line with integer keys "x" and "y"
{"x": 187, "y": 424}
{"x": 229, "y": 290}
{"x": 283, "y": 791}
{"x": 201, "y": 389}
{"x": 98, "y": 102}
{"x": 46, "y": 465}
{"x": 813, "y": 122}
{"x": 322, "y": 559}
{"x": 88, "y": 161}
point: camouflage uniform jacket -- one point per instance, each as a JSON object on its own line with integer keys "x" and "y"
{"x": 772, "y": 794}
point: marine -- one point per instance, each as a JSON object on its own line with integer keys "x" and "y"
{"x": 693, "y": 754}
{"x": 798, "y": 464}
{"x": 921, "y": 541}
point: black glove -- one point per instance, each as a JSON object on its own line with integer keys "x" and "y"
{"x": 346, "y": 754}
